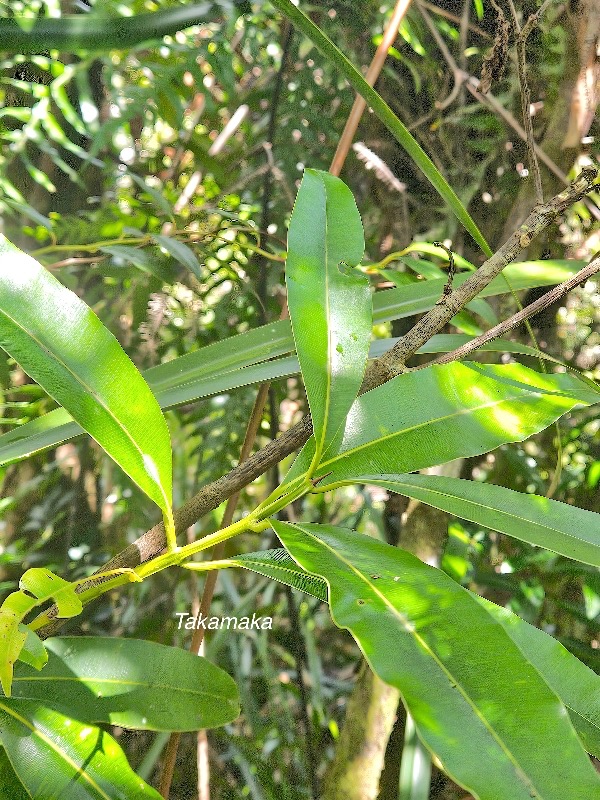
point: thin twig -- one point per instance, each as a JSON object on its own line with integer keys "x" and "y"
{"x": 153, "y": 542}
{"x": 522, "y": 35}
{"x": 526, "y": 313}
{"x": 389, "y": 37}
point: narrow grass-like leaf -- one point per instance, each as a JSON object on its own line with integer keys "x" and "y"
{"x": 570, "y": 531}
{"x": 330, "y": 308}
{"x": 279, "y": 565}
{"x": 385, "y": 114}
{"x": 131, "y": 683}
{"x": 478, "y": 704}
{"x": 58, "y": 758}
{"x": 64, "y": 347}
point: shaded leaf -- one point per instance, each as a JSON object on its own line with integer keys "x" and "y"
{"x": 131, "y": 683}
{"x": 181, "y": 253}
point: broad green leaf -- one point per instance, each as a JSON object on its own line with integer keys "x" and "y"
{"x": 477, "y": 703}
{"x": 385, "y": 114}
{"x": 58, "y": 758}
{"x": 64, "y": 347}
{"x": 570, "y": 531}
{"x": 330, "y": 308}
{"x": 181, "y": 253}
{"x": 574, "y": 683}
{"x": 240, "y": 360}
{"x": 433, "y": 415}
{"x": 132, "y": 683}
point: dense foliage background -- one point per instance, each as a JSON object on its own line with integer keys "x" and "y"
{"x": 202, "y": 138}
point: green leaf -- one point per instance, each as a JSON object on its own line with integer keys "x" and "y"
{"x": 10, "y": 785}
{"x": 576, "y": 685}
{"x": 181, "y": 253}
{"x": 433, "y": 415}
{"x": 45, "y": 585}
{"x": 139, "y": 258}
{"x": 37, "y": 586}
{"x": 33, "y": 652}
{"x": 477, "y": 703}
{"x": 57, "y": 758}
{"x": 64, "y": 347}
{"x": 386, "y": 115}
{"x": 330, "y": 309}
{"x": 564, "y": 529}
{"x": 132, "y": 683}
{"x": 279, "y": 565}
{"x": 239, "y": 360}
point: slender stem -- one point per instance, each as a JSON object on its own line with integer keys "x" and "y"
{"x": 389, "y": 37}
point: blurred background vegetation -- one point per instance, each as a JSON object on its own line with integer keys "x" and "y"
{"x": 202, "y": 138}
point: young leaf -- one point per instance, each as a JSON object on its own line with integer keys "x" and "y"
{"x": 64, "y": 347}
{"x": 478, "y": 704}
{"x": 430, "y": 416}
{"x": 573, "y": 532}
{"x": 37, "y": 586}
{"x": 125, "y": 682}
{"x": 330, "y": 308}
{"x": 279, "y": 565}
{"x": 64, "y": 759}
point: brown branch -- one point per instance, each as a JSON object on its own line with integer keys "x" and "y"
{"x": 151, "y": 544}
{"x": 389, "y": 37}
{"x": 392, "y": 362}
{"x": 525, "y": 313}
{"x": 522, "y": 35}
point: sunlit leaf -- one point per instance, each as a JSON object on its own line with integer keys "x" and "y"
{"x": 565, "y": 529}
{"x": 430, "y": 416}
{"x": 65, "y": 348}
{"x": 64, "y": 759}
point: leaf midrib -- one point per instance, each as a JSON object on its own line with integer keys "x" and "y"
{"x": 516, "y": 517}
